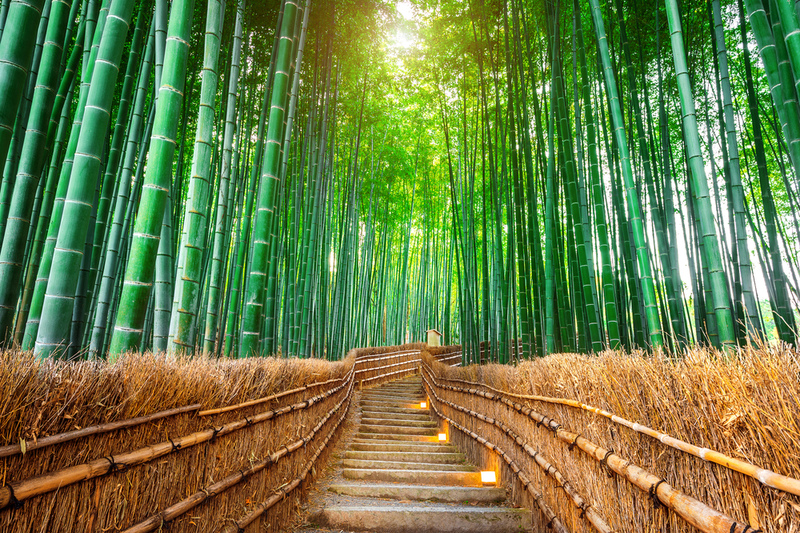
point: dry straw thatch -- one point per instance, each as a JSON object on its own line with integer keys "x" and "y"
{"x": 190, "y": 444}
{"x": 45, "y": 398}
{"x": 746, "y": 407}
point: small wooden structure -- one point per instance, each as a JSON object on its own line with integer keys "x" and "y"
{"x": 434, "y": 337}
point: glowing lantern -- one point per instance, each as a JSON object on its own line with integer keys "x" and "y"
{"x": 423, "y": 405}
{"x": 442, "y": 437}
{"x": 488, "y": 476}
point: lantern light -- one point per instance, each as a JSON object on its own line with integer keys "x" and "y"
{"x": 488, "y": 476}
{"x": 423, "y": 405}
{"x": 442, "y": 437}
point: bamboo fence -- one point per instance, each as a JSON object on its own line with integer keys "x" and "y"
{"x": 586, "y": 460}
{"x": 150, "y": 443}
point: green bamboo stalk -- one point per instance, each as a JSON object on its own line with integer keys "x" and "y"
{"x": 138, "y": 282}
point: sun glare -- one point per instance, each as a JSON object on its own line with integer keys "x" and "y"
{"x": 405, "y": 9}
{"x": 404, "y": 39}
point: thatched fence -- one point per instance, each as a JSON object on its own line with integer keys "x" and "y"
{"x": 622, "y": 443}
{"x": 150, "y": 444}
{"x": 632, "y": 443}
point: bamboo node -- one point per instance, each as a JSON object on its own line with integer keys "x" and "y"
{"x": 653, "y": 492}
{"x": 214, "y": 433}
{"x": 574, "y": 442}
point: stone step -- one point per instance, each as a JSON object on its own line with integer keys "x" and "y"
{"x": 438, "y": 493}
{"x": 394, "y": 409}
{"x": 396, "y": 437}
{"x": 421, "y": 477}
{"x": 404, "y": 388}
{"x": 399, "y": 387}
{"x": 394, "y": 446}
{"x": 415, "y": 457}
{"x": 398, "y": 416}
{"x": 390, "y": 405}
{"x": 431, "y": 518}
{"x": 393, "y": 392}
{"x": 405, "y": 398}
{"x": 382, "y": 428}
{"x": 398, "y": 422}
{"x": 394, "y": 465}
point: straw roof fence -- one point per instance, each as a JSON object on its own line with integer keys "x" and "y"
{"x": 190, "y": 444}
{"x": 617, "y": 442}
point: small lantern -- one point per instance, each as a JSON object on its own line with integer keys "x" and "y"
{"x": 423, "y": 405}
{"x": 442, "y": 437}
{"x": 488, "y": 477}
{"x": 434, "y": 337}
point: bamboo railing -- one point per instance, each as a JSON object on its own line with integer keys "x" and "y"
{"x": 189, "y": 467}
{"x": 762, "y": 475}
{"x": 485, "y": 414}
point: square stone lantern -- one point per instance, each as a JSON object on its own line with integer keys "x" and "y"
{"x": 434, "y": 337}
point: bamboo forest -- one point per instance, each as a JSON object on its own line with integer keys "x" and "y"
{"x": 302, "y": 177}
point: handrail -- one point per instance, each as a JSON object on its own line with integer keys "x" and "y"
{"x": 258, "y": 401}
{"x": 60, "y": 438}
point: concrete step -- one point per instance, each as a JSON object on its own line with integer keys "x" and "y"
{"x": 406, "y": 393}
{"x": 391, "y": 404}
{"x": 438, "y": 493}
{"x": 394, "y": 446}
{"x": 398, "y": 422}
{"x": 431, "y": 518}
{"x": 382, "y": 428}
{"x": 394, "y": 465}
{"x": 415, "y": 457}
{"x": 397, "y": 416}
{"x": 421, "y": 477}
{"x": 396, "y": 410}
{"x": 395, "y": 437}
{"x": 398, "y": 386}
{"x": 374, "y": 398}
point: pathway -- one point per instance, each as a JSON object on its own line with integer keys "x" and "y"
{"x": 396, "y": 477}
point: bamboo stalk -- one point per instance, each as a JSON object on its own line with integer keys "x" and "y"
{"x": 14, "y": 449}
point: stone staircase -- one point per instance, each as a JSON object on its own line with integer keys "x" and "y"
{"x": 397, "y": 477}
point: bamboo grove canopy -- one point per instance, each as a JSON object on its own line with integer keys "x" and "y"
{"x": 305, "y": 176}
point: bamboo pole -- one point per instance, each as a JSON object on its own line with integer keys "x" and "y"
{"x": 14, "y": 449}
{"x": 280, "y": 493}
